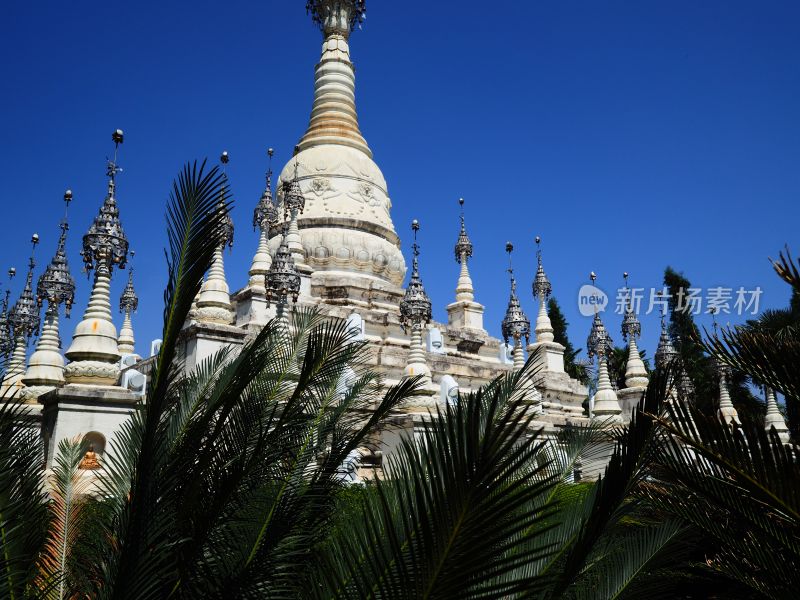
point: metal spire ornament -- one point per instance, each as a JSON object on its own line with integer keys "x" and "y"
{"x": 463, "y": 252}
{"x": 415, "y": 307}
{"x": 265, "y": 216}
{"x": 214, "y": 299}
{"x": 282, "y": 281}
{"x": 93, "y": 352}
{"x": 6, "y": 339}
{"x": 635, "y": 372}
{"x": 337, "y": 16}
{"x": 294, "y": 204}
{"x": 665, "y": 352}
{"x": 24, "y": 320}
{"x": 516, "y": 324}
{"x": 56, "y": 286}
{"x": 415, "y": 314}
{"x": 541, "y": 292}
{"x": 128, "y": 304}
{"x": 599, "y": 344}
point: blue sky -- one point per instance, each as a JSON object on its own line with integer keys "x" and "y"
{"x": 629, "y": 135}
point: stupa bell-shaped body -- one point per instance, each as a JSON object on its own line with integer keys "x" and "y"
{"x": 345, "y": 225}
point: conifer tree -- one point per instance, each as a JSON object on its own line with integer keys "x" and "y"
{"x": 699, "y": 365}
{"x": 573, "y": 368}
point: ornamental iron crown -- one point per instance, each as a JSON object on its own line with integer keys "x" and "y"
{"x": 631, "y": 327}
{"x": 24, "y": 316}
{"x": 463, "y": 248}
{"x": 541, "y": 284}
{"x": 129, "y": 301}
{"x": 6, "y": 340}
{"x": 105, "y": 243}
{"x": 415, "y": 307}
{"x": 665, "y": 352}
{"x": 293, "y": 199}
{"x": 337, "y": 16}
{"x": 516, "y": 324}
{"x": 282, "y": 280}
{"x": 266, "y": 213}
{"x": 599, "y": 341}
{"x": 226, "y": 221}
{"x": 56, "y": 284}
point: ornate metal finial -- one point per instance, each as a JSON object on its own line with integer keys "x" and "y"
{"x": 129, "y": 301}
{"x": 415, "y": 307}
{"x": 631, "y": 327}
{"x": 56, "y": 284}
{"x": 599, "y": 341}
{"x": 6, "y": 339}
{"x": 226, "y": 226}
{"x": 516, "y": 324}
{"x": 266, "y": 213}
{"x": 293, "y": 199}
{"x": 665, "y": 352}
{"x": 541, "y": 284}
{"x": 337, "y": 16}
{"x": 282, "y": 280}
{"x": 105, "y": 243}
{"x": 24, "y": 316}
{"x": 463, "y": 249}
{"x": 723, "y": 369}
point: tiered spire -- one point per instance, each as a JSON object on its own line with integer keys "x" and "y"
{"x": 463, "y": 252}
{"x": 541, "y": 292}
{"x": 516, "y": 324}
{"x": 265, "y": 216}
{"x": 214, "y": 299}
{"x": 635, "y": 372}
{"x": 94, "y": 353}
{"x": 415, "y": 314}
{"x": 128, "y": 304}
{"x": 599, "y": 343}
{"x": 333, "y": 115}
{"x": 282, "y": 280}
{"x": 293, "y": 205}
{"x": 24, "y": 320}
{"x": 774, "y": 418}
{"x": 727, "y": 411}
{"x": 56, "y": 286}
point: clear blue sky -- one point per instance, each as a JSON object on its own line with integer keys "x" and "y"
{"x": 629, "y": 135}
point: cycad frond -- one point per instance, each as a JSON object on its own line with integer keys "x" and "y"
{"x": 23, "y": 510}
{"x": 68, "y": 486}
{"x": 445, "y": 522}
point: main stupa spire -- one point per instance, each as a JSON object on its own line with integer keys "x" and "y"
{"x": 333, "y": 116}
{"x": 345, "y": 228}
